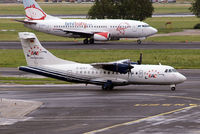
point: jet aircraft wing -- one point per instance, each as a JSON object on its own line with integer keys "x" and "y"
{"x": 78, "y": 32}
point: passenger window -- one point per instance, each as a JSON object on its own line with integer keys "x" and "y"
{"x": 166, "y": 70}
{"x": 170, "y": 70}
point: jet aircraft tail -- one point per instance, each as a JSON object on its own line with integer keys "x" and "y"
{"x": 35, "y": 54}
{"x": 34, "y": 11}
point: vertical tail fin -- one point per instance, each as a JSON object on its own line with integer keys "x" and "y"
{"x": 34, "y": 11}
{"x": 35, "y": 54}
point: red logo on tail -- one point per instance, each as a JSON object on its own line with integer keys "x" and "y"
{"x": 34, "y": 13}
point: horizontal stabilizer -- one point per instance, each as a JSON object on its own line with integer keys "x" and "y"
{"x": 26, "y": 22}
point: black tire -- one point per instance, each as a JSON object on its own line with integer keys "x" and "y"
{"x": 104, "y": 87}
{"x": 173, "y": 88}
{"x": 107, "y": 87}
{"x": 139, "y": 42}
{"x": 85, "y": 41}
{"x": 111, "y": 87}
{"x": 91, "y": 41}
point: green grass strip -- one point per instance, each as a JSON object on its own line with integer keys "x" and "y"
{"x": 176, "y": 58}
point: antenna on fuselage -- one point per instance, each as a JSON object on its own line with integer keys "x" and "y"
{"x": 140, "y": 60}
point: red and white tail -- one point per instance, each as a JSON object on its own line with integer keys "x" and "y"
{"x": 34, "y": 12}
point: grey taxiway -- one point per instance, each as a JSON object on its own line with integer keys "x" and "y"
{"x": 76, "y": 109}
{"x": 106, "y": 45}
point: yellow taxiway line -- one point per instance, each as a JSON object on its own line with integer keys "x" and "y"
{"x": 149, "y": 117}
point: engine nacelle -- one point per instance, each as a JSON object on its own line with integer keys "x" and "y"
{"x": 119, "y": 67}
{"x": 103, "y": 36}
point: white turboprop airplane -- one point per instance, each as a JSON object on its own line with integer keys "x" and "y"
{"x": 91, "y": 30}
{"x": 108, "y": 75}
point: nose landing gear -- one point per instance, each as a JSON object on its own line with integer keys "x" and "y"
{"x": 173, "y": 87}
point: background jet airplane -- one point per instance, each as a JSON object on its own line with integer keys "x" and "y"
{"x": 91, "y": 30}
{"x": 108, "y": 75}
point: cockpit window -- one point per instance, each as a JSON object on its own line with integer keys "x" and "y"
{"x": 170, "y": 70}
{"x": 174, "y": 70}
{"x": 145, "y": 25}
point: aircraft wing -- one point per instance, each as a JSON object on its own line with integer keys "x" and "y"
{"x": 122, "y": 66}
{"x": 78, "y": 32}
{"x": 26, "y": 22}
{"x": 115, "y": 81}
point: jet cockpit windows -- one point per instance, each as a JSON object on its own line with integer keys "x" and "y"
{"x": 170, "y": 70}
{"x": 143, "y": 26}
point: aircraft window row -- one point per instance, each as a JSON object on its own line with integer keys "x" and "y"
{"x": 72, "y": 26}
{"x": 143, "y": 26}
{"x": 111, "y": 72}
{"x": 170, "y": 70}
{"x": 97, "y": 72}
{"x": 120, "y": 26}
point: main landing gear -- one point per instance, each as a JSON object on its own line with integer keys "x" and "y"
{"x": 139, "y": 42}
{"x": 108, "y": 86}
{"x": 86, "y": 41}
{"x": 173, "y": 87}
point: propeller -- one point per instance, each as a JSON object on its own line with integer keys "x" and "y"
{"x": 129, "y": 67}
{"x": 140, "y": 60}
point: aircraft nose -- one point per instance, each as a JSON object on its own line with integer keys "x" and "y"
{"x": 181, "y": 78}
{"x": 152, "y": 31}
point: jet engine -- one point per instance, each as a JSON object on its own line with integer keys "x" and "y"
{"x": 103, "y": 36}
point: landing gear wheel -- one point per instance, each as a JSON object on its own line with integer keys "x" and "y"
{"x": 85, "y": 41}
{"x": 91, "y": 41}
{"x": 139, "y": 42}
{"x": 173, "y": 88}
{"x": 108, "y": 86}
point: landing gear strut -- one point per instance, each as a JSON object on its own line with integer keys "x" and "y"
{"x": 91, "y": 41}
{"x": 108, "y": 85}
{"x": 173, "y": 87}
{"x": 139, "y": 42}
{"x": 86, "y": 41}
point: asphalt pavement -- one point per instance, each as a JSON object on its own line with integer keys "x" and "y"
{"x": 106, "y": 45}
{"x": 76, "y": 109}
